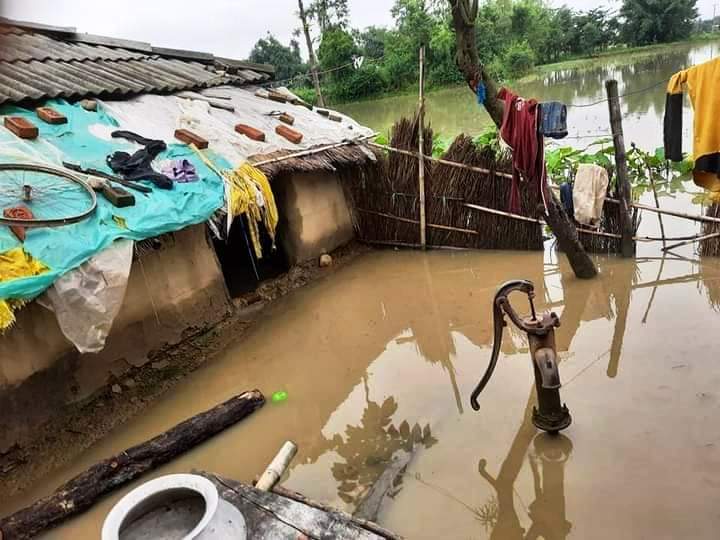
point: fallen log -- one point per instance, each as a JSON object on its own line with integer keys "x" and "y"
{"x": 80, "y": 493}
{"x": 369, "y": 508}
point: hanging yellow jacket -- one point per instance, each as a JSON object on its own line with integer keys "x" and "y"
{"x": 703, "y": 84}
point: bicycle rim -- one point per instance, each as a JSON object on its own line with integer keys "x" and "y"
{"x": 54, "y": 196}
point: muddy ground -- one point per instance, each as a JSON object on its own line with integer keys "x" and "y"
{"x": 84, "y": 423}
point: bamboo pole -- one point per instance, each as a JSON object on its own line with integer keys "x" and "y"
{"x": 421, "y": 142}
{"x": 416, "y": 222}
{"x": 703, "y": 219}
{"x": 277, "y": 467}
{"x": 313, "y": 151}
{"x": 407, "y": 245}
{"x": 691, "y": 241}
{"x": 501, "y": 213}
{"x": 657, "y": 204}
{"x": 480, "y": 170}
{"x": 621, "y": 172}
{"x": 639, "y": 206}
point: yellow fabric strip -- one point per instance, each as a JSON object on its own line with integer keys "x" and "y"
{"x": 242, "y": 186}
{"x": 15, "y": 264}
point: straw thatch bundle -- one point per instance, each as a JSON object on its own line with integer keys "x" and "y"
{"x": 386, "y": 200}
{"x": 711, "y": 247}
{"x": 328, "y": 160}
{"x": 609, "y": 223}
{"x": 450, "y": 187}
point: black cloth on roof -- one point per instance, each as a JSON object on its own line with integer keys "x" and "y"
{"x": 138, "y": 166}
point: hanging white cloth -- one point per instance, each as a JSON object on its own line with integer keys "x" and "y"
{"x": 589, "y": 191}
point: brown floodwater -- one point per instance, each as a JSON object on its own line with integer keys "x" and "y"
{"x": 380, "y": 357}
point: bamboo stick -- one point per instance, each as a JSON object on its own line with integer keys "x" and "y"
{"x": 691, "y": 241}
{"x": 317, "y": 150}
{"x": 421, "y": 142}
{"x": 408, "y": 245}
{"x": 440, "y": 161}
{"x": 416, "y": 222}
{"x": 277, "y": 467}
{"x": 501, "y": 213}
{"x": 657, "y": 203}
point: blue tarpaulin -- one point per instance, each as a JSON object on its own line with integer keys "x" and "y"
{"x": 84, "y": 140}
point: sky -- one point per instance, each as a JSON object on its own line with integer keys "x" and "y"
{"x": 223, "y": 27}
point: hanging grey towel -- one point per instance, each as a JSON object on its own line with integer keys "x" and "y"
{"x": 553, "y": 120}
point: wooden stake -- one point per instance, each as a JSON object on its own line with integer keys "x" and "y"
{"x": 621, "y": 172}
{"x": 657, "y": 203}
{"x": 686, "y": 242}
{"x": 421, "y": 160}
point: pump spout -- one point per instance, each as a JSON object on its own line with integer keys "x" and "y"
{"x": 547, "y": 368}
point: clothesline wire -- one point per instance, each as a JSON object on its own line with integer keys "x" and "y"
{"x": 626, "y": 94}
{"x": 301, "y": 76}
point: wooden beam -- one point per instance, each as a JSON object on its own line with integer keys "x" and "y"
{"x": 421, "y": 159}
{"x": 621, "y": 171}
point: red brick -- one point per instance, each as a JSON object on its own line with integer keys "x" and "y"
{"x": 290, "y": 134}
{"x": 287, "y": 119}
{"x": 188, "y": 137}
{"x": 51, "y": 116}
{"x": 251, "y": 132}
{"x": 21, "y": 127}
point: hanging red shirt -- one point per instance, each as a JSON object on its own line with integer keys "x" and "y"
{"x": 519, "y": 130}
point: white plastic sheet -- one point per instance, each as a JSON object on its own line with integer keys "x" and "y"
{"x": 87, "y": 300}
{"x": 157, "y": 117}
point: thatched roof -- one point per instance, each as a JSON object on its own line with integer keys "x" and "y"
{"x": 328, "y": 160}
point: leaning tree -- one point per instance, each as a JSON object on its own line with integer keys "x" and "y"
{"x": 464, "y": 14}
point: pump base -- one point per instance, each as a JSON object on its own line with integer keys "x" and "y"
{"x": 552, "y": 422}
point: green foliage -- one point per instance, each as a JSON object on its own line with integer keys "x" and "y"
{"x": 512, "y": 37}
{"x": 337, "y": 48}
{"x": 372, "y": 41}
{"x": 669, "y": 178}
{"x": 306, "y": 93}
{"x": 287, "y": 61}
{"x": 519, "y": 59}
{"x": 657, "y": 21}
{"x": 329, "y": 14}
{"x": 366, "y": 81}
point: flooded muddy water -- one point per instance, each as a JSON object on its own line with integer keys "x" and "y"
{"x": 380, "y": 357}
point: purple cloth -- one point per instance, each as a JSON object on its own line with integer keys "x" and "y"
{"x": 180, "y": 170}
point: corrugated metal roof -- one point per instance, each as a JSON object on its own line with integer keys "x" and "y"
{"x": 40, "y": 64}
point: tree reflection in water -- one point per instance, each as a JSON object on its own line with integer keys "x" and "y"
{"x": 369, "y": 448}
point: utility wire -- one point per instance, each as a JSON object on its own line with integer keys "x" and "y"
{"x": 626, "y": 94}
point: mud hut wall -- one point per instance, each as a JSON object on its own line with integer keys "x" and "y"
{"x": 178, "y": 287}
{"x": 314, "y": 215}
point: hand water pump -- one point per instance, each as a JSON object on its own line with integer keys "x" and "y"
{"x": 551, "y": 414}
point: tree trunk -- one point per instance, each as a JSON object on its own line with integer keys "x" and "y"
{"x": 464, "y": 14}
{"x": 311, "y": 53}
{"x": 84, "y": 490}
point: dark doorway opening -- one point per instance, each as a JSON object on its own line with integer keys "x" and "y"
{"x": 242, "y": 271}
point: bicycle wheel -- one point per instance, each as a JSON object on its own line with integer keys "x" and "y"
{"x": 55, "y": 197}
